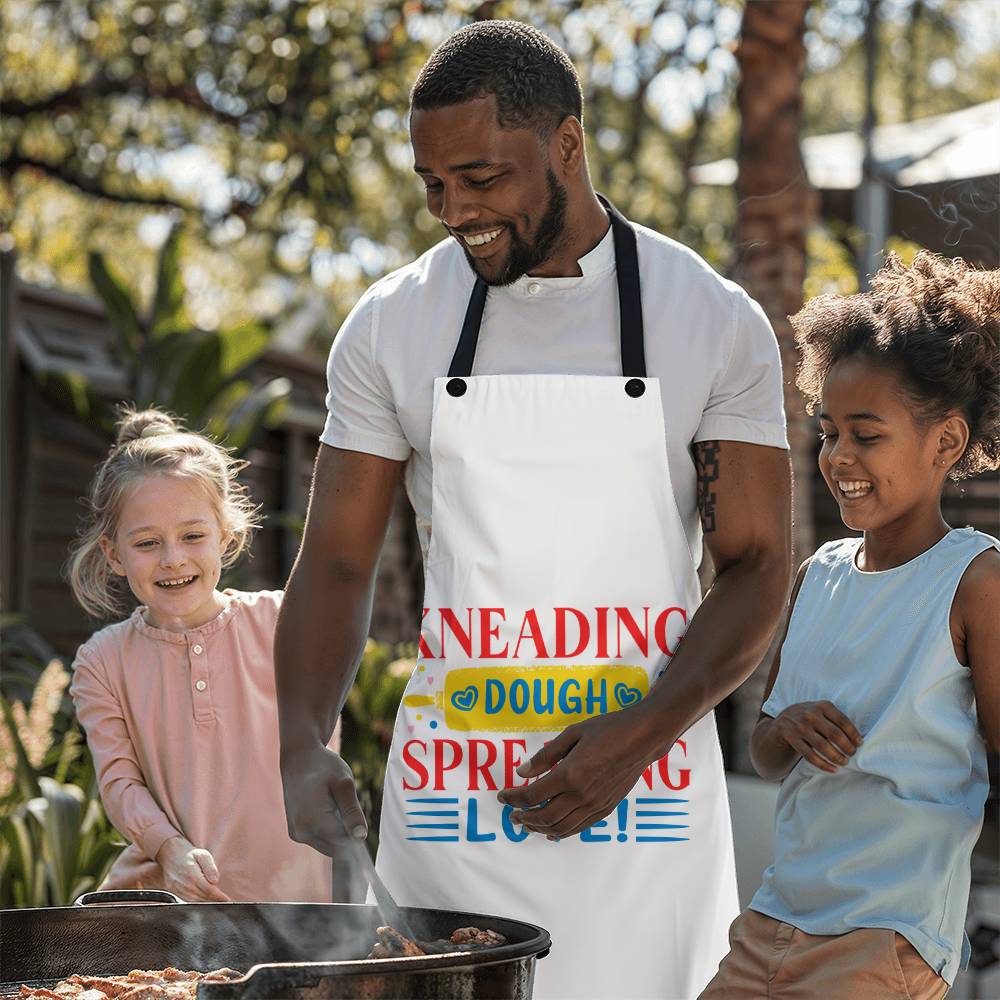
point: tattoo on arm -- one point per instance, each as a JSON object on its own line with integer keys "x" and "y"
{"x": 706, "y": 460}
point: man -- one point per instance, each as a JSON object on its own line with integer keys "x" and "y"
{"x": 504, "y": 373}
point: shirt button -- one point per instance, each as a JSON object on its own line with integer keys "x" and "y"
{"x": 534, "y": 288}
{"x": 196, "y": 649}
{"x": 201, "y": 685}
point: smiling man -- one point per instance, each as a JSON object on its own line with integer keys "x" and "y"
{"x": 575, "y": 403}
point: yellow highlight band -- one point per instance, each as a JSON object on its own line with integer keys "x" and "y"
{"x": 533, "y": 699}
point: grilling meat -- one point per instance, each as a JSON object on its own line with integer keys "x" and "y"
{"x": 139, "y": 984}
{"x": 392, "y": 944}
{"x": 176, "y": 984}
{"x": 476, "y": 937}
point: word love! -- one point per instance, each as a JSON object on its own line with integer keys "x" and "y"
{"x": 550, "y": 633}
{"x": 447, "y": 819}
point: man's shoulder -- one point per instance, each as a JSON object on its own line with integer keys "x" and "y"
{"x": 440, "y": 268}
{"x": 678, "y": 267}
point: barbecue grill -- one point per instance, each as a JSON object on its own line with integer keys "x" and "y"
{"x": 299, "y": 951}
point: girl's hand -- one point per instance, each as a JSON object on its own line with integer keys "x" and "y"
{"x": 190, "y": 872}
{"x": 819, "y": 732}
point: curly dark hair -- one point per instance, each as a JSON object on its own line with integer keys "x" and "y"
{"x": 533, "y": 80}
{"x": 936, "y": 323}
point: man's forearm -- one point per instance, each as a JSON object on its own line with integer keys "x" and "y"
{"x": 725, "y": 642}
{"x": 320, "y": 638}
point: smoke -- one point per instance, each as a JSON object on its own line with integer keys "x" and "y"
{"x": 967, "y": 212}
{"x": 973, "y": 200}
{"x": 242, "y": 935}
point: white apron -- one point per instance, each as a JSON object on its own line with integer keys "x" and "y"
{"x": 558, "y": 584}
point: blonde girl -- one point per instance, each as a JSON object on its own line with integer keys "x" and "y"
{"x": 178, "y": 699}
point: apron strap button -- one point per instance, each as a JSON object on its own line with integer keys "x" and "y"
{"x": 634, "y": 387}
{"x": 456, "y": 387}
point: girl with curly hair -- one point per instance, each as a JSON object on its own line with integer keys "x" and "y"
{"x": 886, "y": 689}
{"x": 178, "y": 700}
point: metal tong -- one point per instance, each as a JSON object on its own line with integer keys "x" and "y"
{"x": 360, "y": 861}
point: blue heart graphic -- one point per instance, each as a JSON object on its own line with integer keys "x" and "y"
{"x": 626, "y": 695}
{"x": 465, "y": 700}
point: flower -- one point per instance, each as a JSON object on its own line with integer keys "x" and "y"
{"x": 402, "y": 667}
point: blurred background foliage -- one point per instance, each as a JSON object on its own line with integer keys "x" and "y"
{"x": 203, "y": 375}
{"x": 277, "y": 128}
{"x": 55, "y": 840}
{"x": 368, "y": 719}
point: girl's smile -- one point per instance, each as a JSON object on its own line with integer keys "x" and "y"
{"x": 883, "y": 468}
{"x": 169, "y": 545}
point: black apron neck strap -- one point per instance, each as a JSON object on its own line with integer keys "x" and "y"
{"x": 629, "y": 296}
{"x": 465, "y": 353}
{"x": 629, "y": 306}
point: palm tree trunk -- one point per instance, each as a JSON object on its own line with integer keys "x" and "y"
{"x": 776, "y": 206}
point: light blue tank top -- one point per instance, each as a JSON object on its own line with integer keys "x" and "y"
{"x": 887, "y": 840}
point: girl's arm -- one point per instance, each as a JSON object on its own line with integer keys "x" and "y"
{"x": 816, "y": 730}
{"x": 127, "y": 800}
{"x": 975, "y": 613}
{"x": 188, "y": 871}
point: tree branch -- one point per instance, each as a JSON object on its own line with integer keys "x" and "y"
{"x": 101, "y": 85}
{"x": 14, "y": 160}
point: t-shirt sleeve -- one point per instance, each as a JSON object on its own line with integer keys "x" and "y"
{"x": 127, "y": 801}
{"x": 361, "y": 412}
{"x": 746, "y": 402}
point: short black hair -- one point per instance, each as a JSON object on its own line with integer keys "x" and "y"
{"x": 533, "y": 80}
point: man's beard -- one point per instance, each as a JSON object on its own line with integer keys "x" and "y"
{"x": 524, "y": 257}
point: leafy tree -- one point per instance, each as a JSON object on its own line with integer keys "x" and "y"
{"x": 298, "y": 113}
{"x": 298, "y": 110}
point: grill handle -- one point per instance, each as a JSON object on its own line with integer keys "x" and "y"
{"x": 127, "y": 896}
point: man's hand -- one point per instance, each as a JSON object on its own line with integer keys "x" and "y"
{"x": 321, "y": 801}
{"x": 190, "y": 872}
{"x": 599, "y": 762}
{"x": 819, "y": 732}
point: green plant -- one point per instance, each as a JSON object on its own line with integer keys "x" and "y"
{"x": 55, "y": 846}
{"x": 34, "y": 681}
{"x": 55, "y": 840}
{"x": 368, "y": 720}
{"x": 202, "y": 375}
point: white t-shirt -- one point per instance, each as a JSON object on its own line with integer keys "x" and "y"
{"x": 708, "y": 343}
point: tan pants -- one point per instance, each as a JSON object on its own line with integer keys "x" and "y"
{"x": 772, "y": 960}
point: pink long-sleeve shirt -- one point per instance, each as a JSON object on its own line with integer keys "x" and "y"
{"x": 183, "y": 729}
